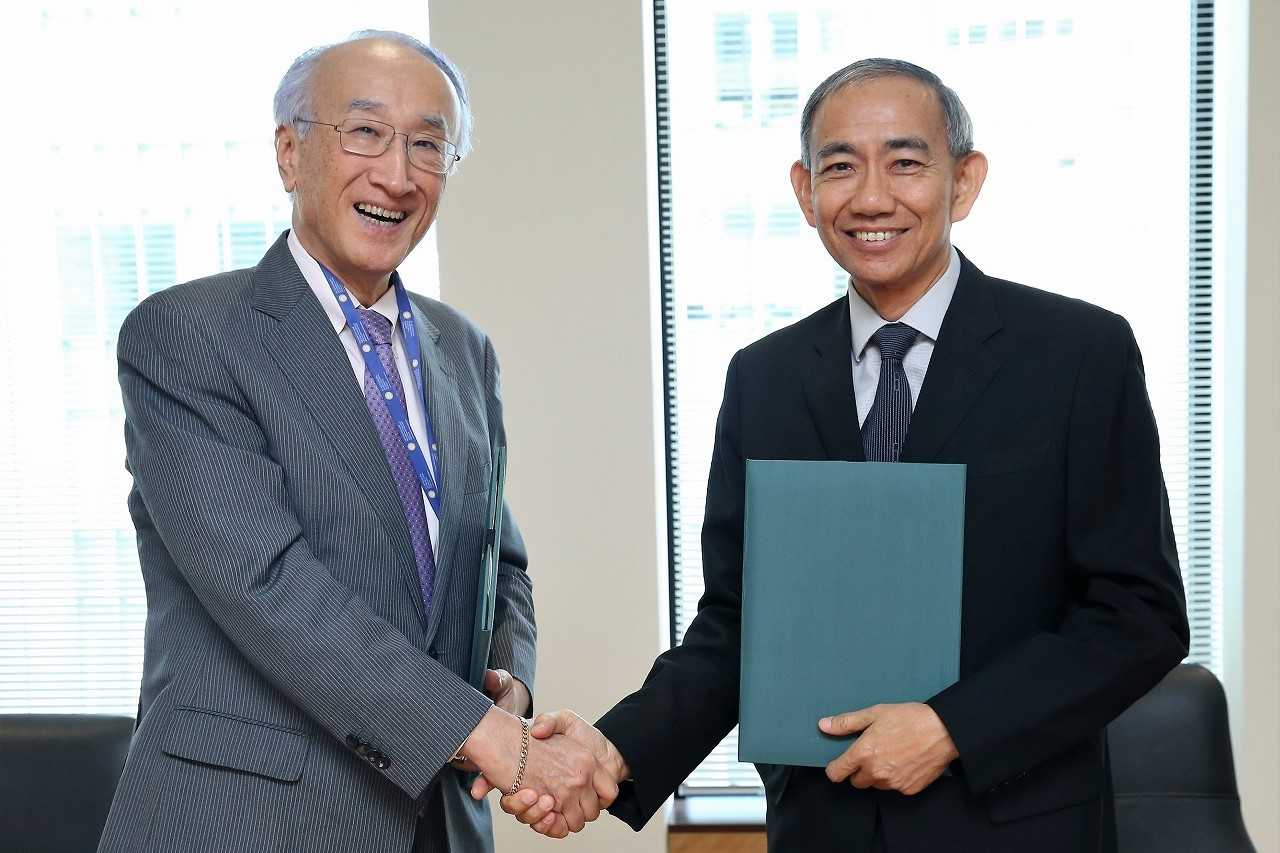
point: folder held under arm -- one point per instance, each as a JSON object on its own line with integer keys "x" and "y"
{"x": 487, "y": 589}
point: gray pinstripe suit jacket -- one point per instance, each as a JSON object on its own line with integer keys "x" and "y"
{"x": 295, "y": 697}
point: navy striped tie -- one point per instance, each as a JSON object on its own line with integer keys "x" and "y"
{"x": 885, "y": 427}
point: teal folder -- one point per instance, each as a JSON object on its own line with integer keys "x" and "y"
{"x": 487, "y": 588}
{"x": 852, "y": 578}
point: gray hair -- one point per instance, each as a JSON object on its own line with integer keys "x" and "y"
{"x": 293, "y": 95}
{"x": 954, "y": 115}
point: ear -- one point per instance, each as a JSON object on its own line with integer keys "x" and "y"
{"x": 970, "y": 172}
{"x": 287, "y": 152}
{"x": 802, "y": 183}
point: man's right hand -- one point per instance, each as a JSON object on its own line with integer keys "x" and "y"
{"x": 565, "y": 774}
{"x": 539, "y": 812}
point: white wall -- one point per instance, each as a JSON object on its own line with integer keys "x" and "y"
{"x": 545, "y": 242}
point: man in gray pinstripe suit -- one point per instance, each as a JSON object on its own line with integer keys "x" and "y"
{"x": 310, "y": 565}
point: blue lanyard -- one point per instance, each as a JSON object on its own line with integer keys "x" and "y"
{"x": 396, "y": 406}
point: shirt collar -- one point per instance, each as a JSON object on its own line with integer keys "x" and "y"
{"x": 310, "y": 267}
{"x": 925, "y": 316}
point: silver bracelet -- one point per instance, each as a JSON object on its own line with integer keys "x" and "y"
{"x": 524, "y": 757}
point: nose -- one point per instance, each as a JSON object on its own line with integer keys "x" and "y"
{"x": 391, "y": 168}
{"x": 873, "y": 196}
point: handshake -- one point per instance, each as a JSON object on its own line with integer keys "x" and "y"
{"x": 558, "y": 773}
{"x": 562, "y": 770}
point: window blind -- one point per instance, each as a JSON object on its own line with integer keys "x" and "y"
{"x": 131, "y": 179}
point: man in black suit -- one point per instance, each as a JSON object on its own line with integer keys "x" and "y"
{"x": 1073, "y": 603}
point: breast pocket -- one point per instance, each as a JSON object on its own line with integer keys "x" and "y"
{"x": 477, "y": 468}
{"x": 1010, "y": 460}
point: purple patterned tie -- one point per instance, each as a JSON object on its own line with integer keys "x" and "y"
{"x": 406, "y": 479}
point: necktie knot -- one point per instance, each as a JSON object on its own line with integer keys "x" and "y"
{"x": 895, "y": 339}
{"x": 378, "y": 327}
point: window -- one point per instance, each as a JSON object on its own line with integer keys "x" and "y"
{"x": 130, "y": 179}
{"x": 739, "y": 220}
{"x": 782, "y": 102}
{"x": 785, "y": 220}
{"x": 783, "y": 25}
{"x": 830, "y": 31}
{"x": 783, "y": 98}
{"x": 1049, "y": 120}
{"x": 733, "y": 66}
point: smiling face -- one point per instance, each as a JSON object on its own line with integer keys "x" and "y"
{"x": 883, "y": 189}
{"x": 361, "y": 216}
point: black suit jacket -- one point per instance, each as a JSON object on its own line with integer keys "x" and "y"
{"x": 1073, "y": 602}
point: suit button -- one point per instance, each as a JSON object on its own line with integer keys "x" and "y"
{"x": 434, "y": 652}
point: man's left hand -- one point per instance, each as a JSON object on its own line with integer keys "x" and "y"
{"x": 507, "y": 692}
{"x": 903, "y": 747}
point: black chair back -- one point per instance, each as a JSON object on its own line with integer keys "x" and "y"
{"x": 1171, "y": 766}
{"x": 58, "y": 773}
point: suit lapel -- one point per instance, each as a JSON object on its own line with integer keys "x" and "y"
{"x": 828, "y": 385}
{"x": 962, "y": 365}
{"x": 445, "y": 408}
{"x": 310, "y": 355}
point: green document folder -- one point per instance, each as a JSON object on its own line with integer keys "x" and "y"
{"x": 852, "y": 576}
{"x": 487, "y": 588}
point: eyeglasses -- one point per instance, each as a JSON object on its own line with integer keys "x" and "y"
{"x": 370, "y": 138}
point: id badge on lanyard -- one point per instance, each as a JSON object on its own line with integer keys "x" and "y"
{"x": 396, "y": 407}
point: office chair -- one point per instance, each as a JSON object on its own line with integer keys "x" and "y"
{"x": 58, "y": 773}
{"x": 1171, "y": 766}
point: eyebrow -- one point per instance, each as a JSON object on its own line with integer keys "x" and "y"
{"x": 438, "y": 122}
{"x": 914, "y": 143}
{"x": 897, "y": 143}
{"x": 832, "y": 148}
{"x": 435, "y": 121}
